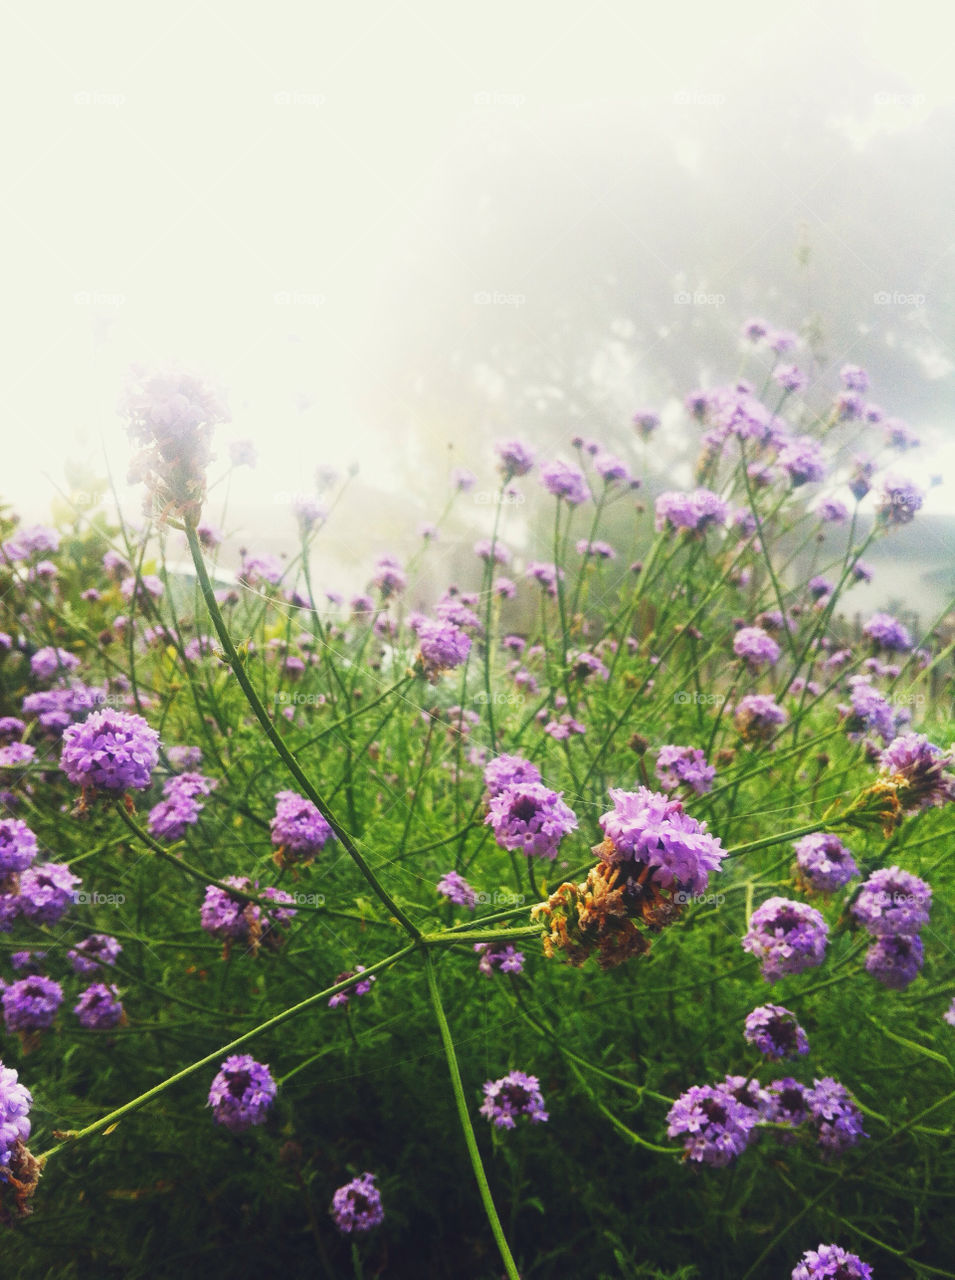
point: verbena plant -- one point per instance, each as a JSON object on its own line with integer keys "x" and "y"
{"x": 595, "y": 925}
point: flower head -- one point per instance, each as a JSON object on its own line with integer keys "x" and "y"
{"x": 756, "y": 647}
{"x": 830, "y": 1262}
{"x": 646, "y": 829}
{"x": 356, "y": 1206}
{"x": 513, "y": 1096}
{"x": 298, "y": 829}
{"x": 15, "y": 1103}
{"x": 453, "y": 886}
{"x": 565, "y": 482}
{"x": 825, "y": 862}
{"x": 695, "y": 511}
{"x": 787, "y": 936}
{"x": 888, "y": 633}
{"x": 920, "y": 771}
{"x": 775, "y": 1032}
{"x": 99, "y": 1007}
{"x": 442, "y": 646}
{"x": 892, "y": 901}
{"x": 898, "y": 501}
{"x": 716, "y": 1127}
{"x": 529, "y": 818}
{"x": 241, "y": 1093}
{"x": 111, "y": 751}
{"x": 97, "y": 949}
{"x": 514, "y": 457}
{"x": 18, "y": 847}
{"x": 684, "y": 766}
{"x": 757, "y": 717}
{"x": 834, "y": 1116}
{"x": 31, "y": 1003}
{"x": 895, "y": 960}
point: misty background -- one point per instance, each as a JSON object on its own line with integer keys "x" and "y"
{"x": 400, "y": 232}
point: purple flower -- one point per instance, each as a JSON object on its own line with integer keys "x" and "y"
{"x": 829, "y": 1260}
{"x": 49, "y": 662}
{"x": 919, "y": 770}
{"x": 825, "y": 862}
{"x": 802, "y": 459}
{"x": 775, "y": 1032}
{"x": 715, "y": 1126}
{"x": 583, "y": 665}
{"x": 514, "y": 458}
{"x": 442, "y": 646}
{"x": 11, "y": 727}
{"x": 241, "y": 1093}
{"x": 611, "y": 469}
{"x": 15, "y": 1103}
{"x": 263, "y": 567}
{"x": 786, "y": 936}
{"x": 234, "y": 920}
{"x": 97, "y": 949}
{"x": 898, "y": 501}
{"x": 488, "y": 550}
{"x": 530, "y": 818}
{"x": 834, "y": 1116}
{"x": 463, "y": 480}
{"x": 895, "y": 960}
{"x": 357, "y": 1205}
{"x": 757, "y": 716}
{"x": 756, "y": 647}
{"x": 854, "y": 378}
{"x": 566, "y": 482}
{"x": 507, "y": 959}
{"x": 30, "y": 1004}
{"x": 755, "y": 330}
{"x": 546, "y": 574}
{"x": 697, "y": 510}
{"x": 298, "y": 828}
{"x": 18, "y": 847}
{"x": 849, "y": 406}
{"x": 389, "y": 577}
{"x": 504, "y": 588}
{"x": 648, "y": 828}
{"x": 949, "y": 1014}
{"x": 781, "y": 340}
{"x": 507, "y": 771}
{"x": 899, "y": 435}
{"x": 597, "y": 549}
{"x": 180, "y": 808}
{"x": 452, "y": 885}
{"x": 888, "y": 633}
{"x": 511, "y": 1097}
{"x": 47, "y": 891}
{"x": 341, "y": 998}
{"x": 819, "y": 587}
{"x": 645, "y": 422}
{"x": 787, "y": 1102}
{"x": 871, "y": 712}
{"x": 789, "y": 377}
{"x": 184, "y": 757}
{"x": 832, "y": 511}
{"x": 892, "y": 901}
{"x": 112, "y": 751}
{"x": 37, "y": 540}
{"x": 684, "y": 766}
{"x": 99, "y": 1007}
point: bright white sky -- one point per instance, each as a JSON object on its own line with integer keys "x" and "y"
{"x": 183, "y": 164}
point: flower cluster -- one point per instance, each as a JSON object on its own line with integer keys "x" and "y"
{"x": 918, "y": 770}
{"x": 684, "y": 767}
{"x": 715, "y": 1126}
{"x": 695, "y": 511}
{"x": 453, "y": 886}
{"x": 30, "y": 1004}
{"x": 507, "y": 959}
{"x": 298, "y": 829}
{"x": 786, "y": 936}
{"x": 892, "y": 906}
{"x": 111, "y": 751}
{"x": 241, "y": 1093}
{"x": 825, "y": 864}
{"x": 234, "y": 919}
{"x": 15, "y": 1103}
{"x": 757, "y": 717}
{"x": 830, "y": 1262}
{"x": 529, "y": 818}
{"x": 655, "y": 844}
{"x": 180, "y": 806}
{"x": 341, "y": 998}
{"x": 775, "y": 1032}
{"x": 756, "y": 647}
{"x": 508, "y": 771}
{"x": 513, "y": 1096}
{"x": 442, "y": 647}
{"x": 356, "y": 1207}
{"x": 97, "y": 949}
{"x": 887, "y": 633}
{"x": 99, "y": 1007}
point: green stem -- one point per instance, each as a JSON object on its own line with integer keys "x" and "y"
{"x": 466, "y": 1126}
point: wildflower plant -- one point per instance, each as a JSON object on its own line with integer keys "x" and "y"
{"x": 397, "y": 838}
